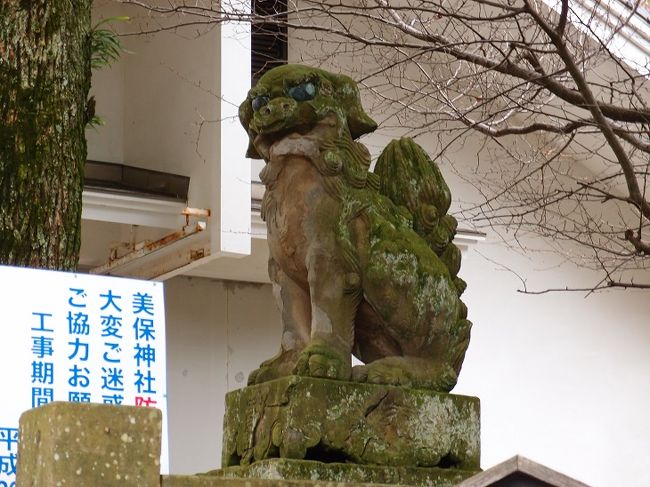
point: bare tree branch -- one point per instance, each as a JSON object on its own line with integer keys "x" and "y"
{"x": 559, "y": 123}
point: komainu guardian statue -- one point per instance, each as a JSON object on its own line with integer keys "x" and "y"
{"x": 362, "y": 262}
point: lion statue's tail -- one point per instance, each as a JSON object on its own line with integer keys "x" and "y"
{"x": 409, "y": 177}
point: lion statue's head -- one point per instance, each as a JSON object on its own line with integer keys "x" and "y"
{"x": 294, "y": 98}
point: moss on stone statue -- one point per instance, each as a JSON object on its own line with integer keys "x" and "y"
{"x": 335, "y": 421}
{"x": 309, "y": 470}
{"x": 362, "y": 260}
{"x": 219, "y": 481}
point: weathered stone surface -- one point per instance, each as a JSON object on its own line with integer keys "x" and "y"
{"x": 361, "y": 262}
{"x": 303, "y": 470}
{"x": 75, "y": 444}
{"x": 217, "y": 481}
{"x": 335, "y": 421}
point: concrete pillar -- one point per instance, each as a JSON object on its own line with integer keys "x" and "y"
{"x": 81, "y": 444}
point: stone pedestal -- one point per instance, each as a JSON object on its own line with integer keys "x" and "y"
{"x": 379, "y": 475}
{"x": 212, "y": 481}
{"x": 316, "y": 429}
{"x": 89, "y": 444}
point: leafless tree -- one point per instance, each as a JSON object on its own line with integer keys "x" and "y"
{"x": 550, "y": 90}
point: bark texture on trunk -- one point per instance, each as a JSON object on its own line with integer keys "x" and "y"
{"x": 44, "y": 83}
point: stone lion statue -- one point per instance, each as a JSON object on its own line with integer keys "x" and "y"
{"x": 361, "y": 262}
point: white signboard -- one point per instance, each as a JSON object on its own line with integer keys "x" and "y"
{"x": 77, "y": 337}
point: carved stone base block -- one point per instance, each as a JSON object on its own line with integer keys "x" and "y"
{"x": 344, "y": 426}
{"x": 347, "y": 473}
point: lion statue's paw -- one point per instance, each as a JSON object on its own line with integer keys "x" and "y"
{"x": 381, "y": 373}
{"x": 406, "y": 372}
{"x": 322, "y": 360}
{"x": 280, "y": 365}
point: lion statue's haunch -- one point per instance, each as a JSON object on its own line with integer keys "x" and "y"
{"x": 362, "y": 262}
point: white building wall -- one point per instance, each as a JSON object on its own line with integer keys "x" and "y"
{"x": 106, "y": 142}
{"x": 563, "y": 379}
{"x": 218, "y": 332}
{"x": 160, "y": 100}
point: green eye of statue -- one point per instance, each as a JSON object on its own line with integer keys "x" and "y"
{"x": 258, "y": 102}
{"x": 303, "y": 92}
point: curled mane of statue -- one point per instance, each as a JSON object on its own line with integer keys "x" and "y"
{"x": 362, "y": 262}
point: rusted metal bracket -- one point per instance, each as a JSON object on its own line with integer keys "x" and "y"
{"x": 159, "y": 259}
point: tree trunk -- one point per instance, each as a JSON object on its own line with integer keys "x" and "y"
{"x": 44, "y": 83}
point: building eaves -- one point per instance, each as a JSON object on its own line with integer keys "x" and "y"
{"x": 623, "y": 26}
